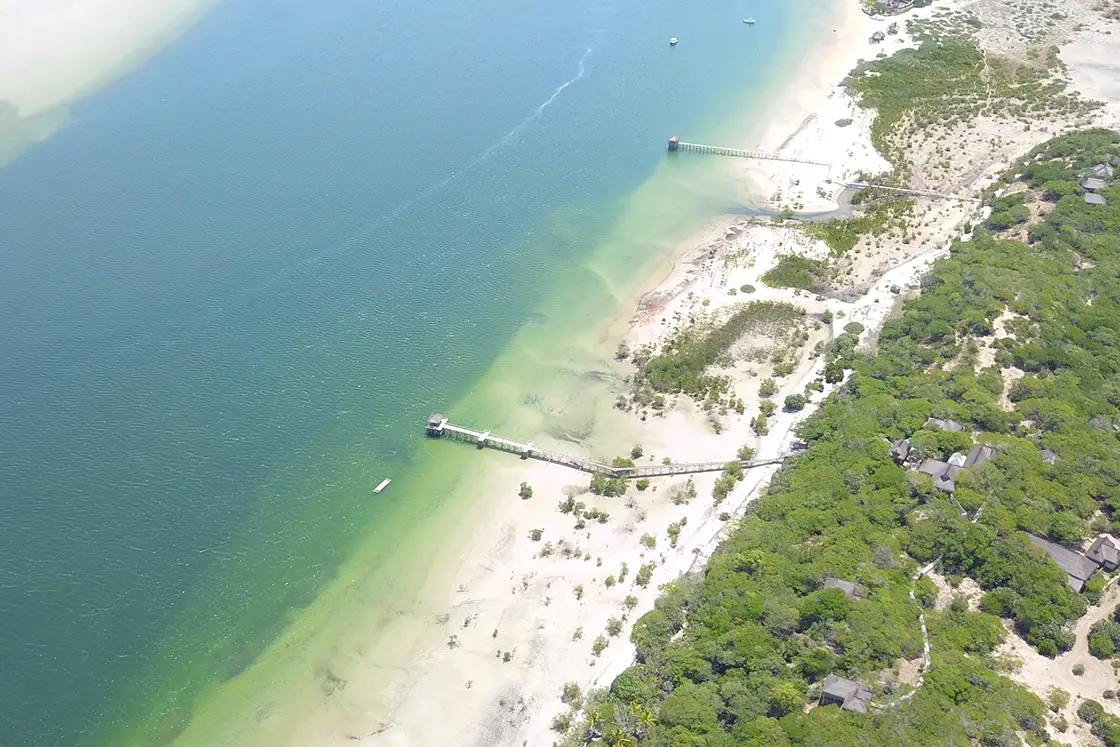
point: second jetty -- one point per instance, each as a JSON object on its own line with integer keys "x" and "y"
{"x": 439, "y": 426}
{"x": 676, "y": 144}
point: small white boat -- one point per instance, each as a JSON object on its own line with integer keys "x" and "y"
{"x": 672, "y": 40}
{"x": 382, "y": 485}
{"x": 748, "y": 20}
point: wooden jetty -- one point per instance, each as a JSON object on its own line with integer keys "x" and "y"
{"x": 676, "y": 144}
{"x": 438, "y": 426}
{"x": 915, "y": 192}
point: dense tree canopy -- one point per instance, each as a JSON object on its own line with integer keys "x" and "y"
{"x": 731, "y": 658}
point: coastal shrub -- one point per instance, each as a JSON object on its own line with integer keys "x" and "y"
{"x": 525, "y": 491}
{"x": 796, "y": 271}
{"x": 644, "y": 575}
{"x": 562, "y": 722}
{"x": 1104, "y": 638}
{"x": 684, "y": 493}
{"x": 767, "y": 388}
{"x": 681, "y": 365}
{"x": 674, "y": 532}
{"x": 1057, "y": 699}
{"x": 636, "y": 452}
{"x": 648, "y": 541}
{"x": 642, "y": 483}
{"x": 843, "y": 122}
{"x": 536, "y": 534}
{"x": 795, "y": 402}
{"x": 745, "y": 453}
{"x": 610, "y": 487}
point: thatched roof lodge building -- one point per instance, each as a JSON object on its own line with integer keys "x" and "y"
{"x": 848, "y": 694}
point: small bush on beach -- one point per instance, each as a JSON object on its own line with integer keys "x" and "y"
{"x": 684, "y": 494}
{"x": 571, "y": 694}
{"x": 642, "y": 483}
{"x": 796, "y": 271}
{"x": 1058, "y": 699}
{"x": 536, "y": 534}
{"x": 648, "y": 540}
{"x": 562, "y": 722}
{"x": 795, "y": 402}
{"x": 525, "y": 492}
{"x": 614, "y": 626}
{"x": 767, "y": 388}
{"x": 600, "y": 645}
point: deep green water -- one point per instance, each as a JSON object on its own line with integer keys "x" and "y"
{"x": 235, "y": 286}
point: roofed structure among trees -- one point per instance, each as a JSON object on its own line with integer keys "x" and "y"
{"x": 1078, "y": 568}
{"x": 848, "y": 694}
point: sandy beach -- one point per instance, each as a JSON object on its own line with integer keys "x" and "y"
{"x": 537, "y": 600}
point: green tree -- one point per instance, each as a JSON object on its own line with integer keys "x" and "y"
{"x": 795, "y": 402}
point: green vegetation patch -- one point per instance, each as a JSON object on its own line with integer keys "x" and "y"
{"x": 732, "y": 657}
{"x": 682, "y": 364}
{"x": 796, "y": 271}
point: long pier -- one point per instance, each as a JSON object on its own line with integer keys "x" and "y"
{"x": 915, "y": 192}
{"x": 676, "y": 144}
{"x": 439, "y": 426}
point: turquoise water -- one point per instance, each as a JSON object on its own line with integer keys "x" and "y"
{"x": 237, "y": 283}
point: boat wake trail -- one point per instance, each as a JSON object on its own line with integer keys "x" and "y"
{"x": 366, "y": 232}
{"x": 540, "y": 109}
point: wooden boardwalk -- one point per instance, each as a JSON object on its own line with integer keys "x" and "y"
{"x": 915, "y": 192}
{"x": 439, "y": 427}
{"x": 716, "y": 150}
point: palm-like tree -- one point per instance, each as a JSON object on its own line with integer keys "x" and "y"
{"x": 644, "y": 716}
{"x": 616, "y": 737}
